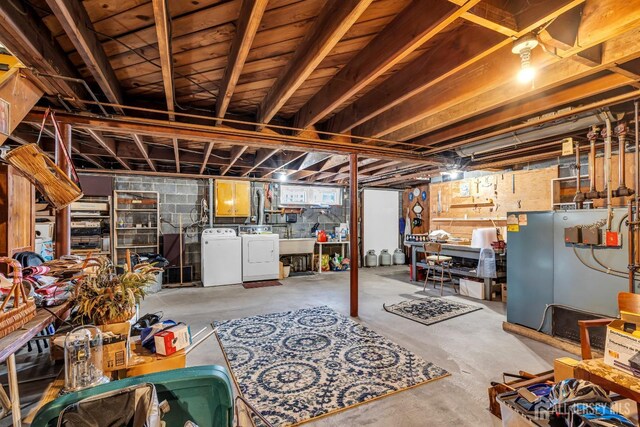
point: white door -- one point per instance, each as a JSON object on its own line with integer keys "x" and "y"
{"x": 381, "y": 220}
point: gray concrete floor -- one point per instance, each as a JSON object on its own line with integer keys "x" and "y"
{"x": 473, "y": 347}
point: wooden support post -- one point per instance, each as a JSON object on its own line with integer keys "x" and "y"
{"x": 63, "y": 216}
{"x": 353, "y": 233}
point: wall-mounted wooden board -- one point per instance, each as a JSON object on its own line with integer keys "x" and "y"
{"x": 528, "y": 190}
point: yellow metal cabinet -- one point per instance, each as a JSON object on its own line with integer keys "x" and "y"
{"x": 233, "y": 198}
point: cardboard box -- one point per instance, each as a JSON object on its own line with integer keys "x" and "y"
{"x": 115, "y": 351}
{"x": 471, "y": 288}
{"x": 622, "y": 348}
{"x": 173, "y": 339}
{"x": 143, "y": 362}
{"x": 564, "y": 368}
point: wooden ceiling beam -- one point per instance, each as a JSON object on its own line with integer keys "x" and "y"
{"x": 74, "y": 147}
{"x": 416, "y": 24}
{"x": 236, "y": 152}
{"x": 137, "y": 139}
{"x": 163, "y": 36}
{"x": 408, "y": 178}
{"x": 493, "y": 18}
{"x": 287, "y": 160}
{"x": 230, "y": 136}
{"x": 23, "y": 33}
{"x": 176, "y": 153}
{"x": 466, "y": 44}
{"x": 109, "y": 145}
{"x": 330, "y": 26}
{"x": 262, "y": 155}
{"x": 525, "y": 109}
{"x": 76, "y": 23}
{"x": 498, "y": 70}
{"x": 246, "y": 29}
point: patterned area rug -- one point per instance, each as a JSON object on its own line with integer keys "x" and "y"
{"x": 430, "y": 310}
{"x": 299, "y": 365}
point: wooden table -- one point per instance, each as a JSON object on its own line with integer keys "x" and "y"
{"x": 609, "y": 378}
{"x": 320, "y": 244}
{"x": 10, "y": 344}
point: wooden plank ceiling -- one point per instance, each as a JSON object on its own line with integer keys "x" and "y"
{"x": 406, "y": 83}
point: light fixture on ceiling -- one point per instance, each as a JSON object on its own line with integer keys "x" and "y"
{"x": 282, "y": 177}
{"x": 523, "y": 47}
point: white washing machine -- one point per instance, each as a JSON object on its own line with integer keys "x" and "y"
{"x": 221, "y": 257}
{"x": 260, "y": 257}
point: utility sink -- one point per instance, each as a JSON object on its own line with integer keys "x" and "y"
{"x": 302, "y": 245}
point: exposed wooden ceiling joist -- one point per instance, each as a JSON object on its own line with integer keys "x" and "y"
{"x": 76, "y": 23}
{"x": 163, "y": 35}
{"x": 463, "y": 46}
{"x": 236, "y": 152}
{"x": 417, "y": 23}
{"x": 246, "y": 28}
{"x": 493, "y": 18}
{"x": 521, "y": 110}
{"x": 24, "y": 35}
{"x": 413, "y": 117}
{"x": 109, "y": 145}
{"x": 262, "y": 155}
{"x": 330, "y": 26}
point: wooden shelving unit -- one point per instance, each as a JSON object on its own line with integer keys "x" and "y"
{"x": 91, "y": 226}
{"x": 136, "y": 222}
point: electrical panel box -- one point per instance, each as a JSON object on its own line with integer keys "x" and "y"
{"x": 591, "y": 236}
{"x": 572, "y": 235}
{"x": 233, "y": 198}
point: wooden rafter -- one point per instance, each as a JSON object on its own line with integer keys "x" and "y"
{"x": 521, "y": 110}
{"x": 417, "y": 23}
{"x": 236, "y": 152}
{"x": 176, "y": 153}
{"x": 51, "y": 135}
{"x": 163, "y": 35}
{"x": 76, "y": 23}
{"x": 137, "y": 139}
{"x": 493, "y": 18}
{"x": 246, "y": 29}
{"x": 420, "y": 74}
{"x": 413, "y": 117}
{"x": 262, "y": 155}
{"x": 284, "y": 162}
{"x": 328, "y": 29}
{"x": 109, "y": 145}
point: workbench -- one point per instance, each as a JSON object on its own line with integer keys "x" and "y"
{"x": 455, "y": 251}
{"x": 12, "y": 343}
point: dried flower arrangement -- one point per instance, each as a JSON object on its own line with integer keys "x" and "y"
{"x": 104, "y": 297}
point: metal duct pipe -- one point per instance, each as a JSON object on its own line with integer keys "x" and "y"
{"x": 579, "y": 198}
{"x": 637, "y": 190}
{"x": 606, "y": 133}
{"x": 622, "y": 190}
{"x": 211, "y": 210}
{"x": 532, "y": 134}
{"x": 260, "y": 194}
{"x": 592, "y": 136}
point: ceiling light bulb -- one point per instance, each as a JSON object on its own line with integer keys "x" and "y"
{"x": 282, "y": 177}
{"x": 526, "y": 75}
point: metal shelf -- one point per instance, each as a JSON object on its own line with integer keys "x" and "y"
{"x": 136, "y": 228}
{"x": 136, "y": 246}
{"x": 137, "y": 210}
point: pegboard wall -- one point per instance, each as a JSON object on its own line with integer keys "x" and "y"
{"x": 460, "y": 206}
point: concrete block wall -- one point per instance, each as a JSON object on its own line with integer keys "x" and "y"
{"x": 179, "y": 198}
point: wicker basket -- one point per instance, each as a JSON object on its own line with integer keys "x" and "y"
{"x": 48, "y": 178}
{"x": 23, "y": 309}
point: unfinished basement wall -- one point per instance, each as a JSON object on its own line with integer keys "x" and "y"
{"x": 460, "y": 206}
{"x": 179, "y": 199}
